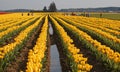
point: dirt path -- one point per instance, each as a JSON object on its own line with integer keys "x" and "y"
{"x": 97, "y": 65}
{"x": 19, "y": 64}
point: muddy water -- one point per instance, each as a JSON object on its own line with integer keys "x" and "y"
{"x": 54, "y": 56}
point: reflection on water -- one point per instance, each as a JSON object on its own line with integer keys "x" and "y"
{"x": 54, "y": 55}
{"x": 54, "y": 61}
{"x": 50, "y": 29}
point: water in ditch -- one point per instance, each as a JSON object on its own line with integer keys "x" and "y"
{"x": 54, "y": 55}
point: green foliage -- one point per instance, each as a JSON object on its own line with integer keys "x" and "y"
{"x": 98, "y": 37}
{"x": 15, "y": 32}
{"x": 45, "y": 9}
{"x": 110, "y": 64}
{"x": 69, "y": 60}
{"x": 52, "y": 7}
{"x": 114, "y": 16}
{"x": 10, "y": 56}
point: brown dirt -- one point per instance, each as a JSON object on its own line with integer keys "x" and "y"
{"x": 8, "y": 41}
{"x": 52, "y": 39}
{"x": 19, "y": 64}
{"x": 47, "y": 63}
{"x": 97, "y": 65}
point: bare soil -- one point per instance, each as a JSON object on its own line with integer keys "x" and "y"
{"x": 97, "y": 65}
{"x": 19, "y": 64}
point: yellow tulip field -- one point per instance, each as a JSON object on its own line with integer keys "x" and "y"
{"x": 85, "y": 44}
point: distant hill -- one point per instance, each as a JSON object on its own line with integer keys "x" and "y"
{"x": 17, "y": 10}
{"x": 101, "y": 9}
{"x": 21, "y": 10}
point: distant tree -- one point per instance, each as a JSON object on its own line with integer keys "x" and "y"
{"x": 52, "y": 7}
{"x": 45, "y": 9}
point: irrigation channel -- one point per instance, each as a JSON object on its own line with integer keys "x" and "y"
{"x": 54, "y": 55}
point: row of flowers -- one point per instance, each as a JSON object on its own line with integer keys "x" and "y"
{"x": 106, "y": 53}
{"x": 94, "y": 24}
{"x": 15, "y": 27}
{"x": 8, "y": 17}
{"x": 85, "y": 24}
{"x": 36, "y": 55}
{"x": 80, "y": 61}
{"x": 112, "y": 41}
{"x": 111, "y": 24}
{"x": 11, "y": 23}
{"x": 7, "y": 51}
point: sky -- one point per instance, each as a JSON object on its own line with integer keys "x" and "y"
{"x": 60, "y": 4}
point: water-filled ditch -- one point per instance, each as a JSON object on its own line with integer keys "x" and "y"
{"x": 54, "y": 55}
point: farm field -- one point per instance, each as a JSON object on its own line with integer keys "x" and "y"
{"x": 84, "y": 44}
{"x": 114, "y": 16}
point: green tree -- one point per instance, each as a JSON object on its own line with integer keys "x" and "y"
{"x": 45, "y": 9}
{"x": 52, "y": 7}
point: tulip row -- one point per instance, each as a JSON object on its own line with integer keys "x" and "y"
{"x": 9, "y": 24}
{"x": 114, "y": 38}
{"x": 13, "y": 28}
{"x": 5, "y": 49}
{"x": 103, "y": 24}
{"x": 13, "y": 31}
{"x": 102, "y": 52}
{"x": 80, "y": 61}
{"x": 107, "y": 39}
{"x": 8, "y": 51}
{"x": 111, "y": 24}
{"x": 7, "y": 18}
{"x": 37, "y": 54}
{"x": 95, "y": 25}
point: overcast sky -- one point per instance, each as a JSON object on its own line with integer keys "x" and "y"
{"x": 39, "y": 4}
